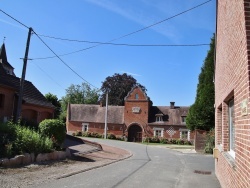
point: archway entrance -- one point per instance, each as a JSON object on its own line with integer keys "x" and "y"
{"x": 135, "y": 133}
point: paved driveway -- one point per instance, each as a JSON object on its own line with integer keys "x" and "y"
{"x": 149, "y": 166}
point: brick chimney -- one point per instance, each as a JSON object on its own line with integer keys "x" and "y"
{"x": 172, "y": 105}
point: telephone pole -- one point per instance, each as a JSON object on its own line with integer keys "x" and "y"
{"x": 106, "y": 117}
{"x": 25, "y": 59}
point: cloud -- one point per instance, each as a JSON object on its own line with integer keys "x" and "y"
{"x": 141, "y": 13}
{"x": 14, "y": 25}
{"x": 129, "y": 73}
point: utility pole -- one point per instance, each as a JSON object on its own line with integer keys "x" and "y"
{"x": 25, "y": 59}
{"x": 106, "y": 117}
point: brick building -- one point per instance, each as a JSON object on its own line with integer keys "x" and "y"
{"x": 35, "y": 107}
{"x": 136, "y": 120}
{"x": 232, "y": 92}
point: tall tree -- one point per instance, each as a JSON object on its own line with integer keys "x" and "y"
{"x": 54, "y": 100}
{"x": 201, "y": 113}
{"x": 118, "y": 87}
{"x": 78, "y": 94}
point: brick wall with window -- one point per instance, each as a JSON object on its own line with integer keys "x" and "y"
{"x": 232, "y": 93}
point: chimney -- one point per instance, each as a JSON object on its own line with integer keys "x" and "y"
{"x": 172, "y": 105}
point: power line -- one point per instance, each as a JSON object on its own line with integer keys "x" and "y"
{"x": 123, "y": 36}
{"x": 49, "y": 76}
{"x": 49, "y": 49}
{"x": 14, "y": 19}
{"x": 64, "y": 61}
{"x": 122, "y": 44}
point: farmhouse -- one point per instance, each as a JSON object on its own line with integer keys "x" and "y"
{"x": 232, "y": 91}
{"x": 135, "y": 120}
{"x": 35, "y": 107}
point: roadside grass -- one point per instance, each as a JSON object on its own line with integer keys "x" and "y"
{"x": 171, "y": 146}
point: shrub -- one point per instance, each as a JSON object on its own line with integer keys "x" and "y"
{"x": 210, "y": 142}
{"x": 7, "y": 136}
{"x": 146, "y": 140}
{"x": 30, "y": 141}
{"x": 155, "y": 140}
{"x": 173, "y": 141}
{"x": 111, "y": 136}
{"x": 186, "y": 142}
{"x": 163, "y": 140}
{"x": 53, "y": 128}
{"x": 180, "y": 142}
{"x": 78, "y": 133}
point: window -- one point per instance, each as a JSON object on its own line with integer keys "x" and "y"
{"x": 85, "y": 127}
{"x": 231, "y": 128}
{"x": 2, "y": 100}
{"x": 136, "y": 96}
{"x": 158, "y": 132}
{"x": 158, "y": 118}
{"x": 184, "y": 134}
{"x": 183, "y": 119}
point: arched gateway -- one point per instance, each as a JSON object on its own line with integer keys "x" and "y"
{"x": 135, "y": 133}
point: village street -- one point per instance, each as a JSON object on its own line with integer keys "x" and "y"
{"x": 150, "y": 166}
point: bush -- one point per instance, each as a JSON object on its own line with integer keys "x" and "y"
{"x": 180, "y": 142}
{"x": 155, "y": 140}
{"x": 7, "y": 136}
{"x": 163, "y": 141}
{"x": 146, "y": 140}
{"x": 53, "y": 128}
{"x": 210, "y": 142}
{"x": 111, "y": 136}
{"x": 78, "y": 133}
{"x": 173, "y": 141}
{"x": 30, "y": 141}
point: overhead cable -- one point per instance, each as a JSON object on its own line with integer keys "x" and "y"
{"x": 64, "y": 62}
{"x": 122, "y": 44}
{"x": 123, "y": 36}
{"x": 14, "y": 19}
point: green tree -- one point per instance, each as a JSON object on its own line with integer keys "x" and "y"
{"x": 118, "y": 87}
{"x": 201, "y": 113}
{"x": 54, "y": 100}
{"x": 78, "y": 94}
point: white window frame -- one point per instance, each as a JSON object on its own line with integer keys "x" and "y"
{"x": 158, "y": 129}
{"x": 185, "y": 130}
{"x": 85, "y": 127}
{"x": 158, "y": 118}
{"x": 231, "y": 128}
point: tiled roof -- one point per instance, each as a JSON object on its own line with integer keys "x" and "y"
{"x": 170, "y": 116}
{"x": 31, "y": 94}
{"x": 96, "y": 113}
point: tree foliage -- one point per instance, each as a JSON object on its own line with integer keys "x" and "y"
{"x": 54, "y": 100}
{"x": 118, "y": 87}
{"x": 78, "y": 94}
{"x": 201, "y": 113}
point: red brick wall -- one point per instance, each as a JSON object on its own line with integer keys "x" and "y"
{"x": 7, "y": 109}
{"x": 232, "y": 81}
{"x": 140, "y": 118}
{"x": 116, "y": 129}
{"x": 36, "y": 113}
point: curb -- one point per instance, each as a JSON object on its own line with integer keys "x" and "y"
{"x": 95, "y": 167}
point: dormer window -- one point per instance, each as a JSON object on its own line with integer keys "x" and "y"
{"x": 159, "y": 117}
{"x": 183, "y": 119}
{"x": 136, "y": 96}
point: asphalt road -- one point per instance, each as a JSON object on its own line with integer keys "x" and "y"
{"x": 149, "y": 167}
